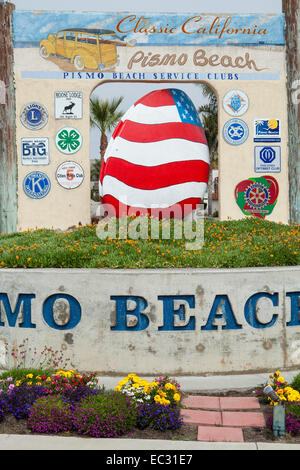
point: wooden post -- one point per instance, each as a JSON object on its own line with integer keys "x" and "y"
{"x": 291, "y": 9}
{"x": 8, "y": 152}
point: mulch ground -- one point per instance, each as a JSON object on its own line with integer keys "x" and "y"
{"x": 187, "y": 432}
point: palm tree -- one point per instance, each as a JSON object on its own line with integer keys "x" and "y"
{"x": 209, "y": 114}
{"x": 95, "y": 169}
{"x": 104, "y": 116}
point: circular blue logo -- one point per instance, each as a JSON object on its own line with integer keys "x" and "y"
{"x": 36, "y": 185}
{"x": 267, "y": 155}
{"x": 34, "y": 116}
{"x": 235, "y": 131}
{"x": 257, "y": 195}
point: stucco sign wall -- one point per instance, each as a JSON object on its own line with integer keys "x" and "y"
{"x": 60, "y": 57}
{"x": 182, "y": 321}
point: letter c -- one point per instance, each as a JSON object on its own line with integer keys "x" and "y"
{"x": 132, "y": 18}
{"x": 250, "y": 310}
{"x": 187, "y": 21}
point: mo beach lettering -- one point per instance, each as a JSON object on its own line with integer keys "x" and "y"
{"x": 199, "y": 59}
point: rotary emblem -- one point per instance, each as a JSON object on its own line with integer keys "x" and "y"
{"x": 257, "y": 196}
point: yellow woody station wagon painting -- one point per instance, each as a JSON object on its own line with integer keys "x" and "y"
{"x": 85, "y": 48}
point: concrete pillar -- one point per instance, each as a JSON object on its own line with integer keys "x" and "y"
{"x": 291, "y": 9}
{"x": 8, "y": 152}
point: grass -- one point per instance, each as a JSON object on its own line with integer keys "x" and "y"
{"x": 228, "y": 244}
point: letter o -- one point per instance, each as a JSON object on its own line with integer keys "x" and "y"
{"x": 75, "y": 311}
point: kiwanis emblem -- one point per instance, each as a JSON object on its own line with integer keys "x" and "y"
{"x": 235, "y": 102}
{"x": 36, "y": 185}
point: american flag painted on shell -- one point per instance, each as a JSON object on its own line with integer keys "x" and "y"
{"x": 157, "y": 157}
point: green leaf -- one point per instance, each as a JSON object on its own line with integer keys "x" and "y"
{"x": 63, "y": 134}
{"x": 62, "y": 144}
{"x": 74, "y": 144}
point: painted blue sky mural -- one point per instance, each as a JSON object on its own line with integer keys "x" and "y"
{"x": 30, "y": 27}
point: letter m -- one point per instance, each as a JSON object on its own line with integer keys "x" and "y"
{"x": 24, "y": 300}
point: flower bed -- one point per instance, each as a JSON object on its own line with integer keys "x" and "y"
{"x": 68, "y": 402}
{"x": 289, "y": 397}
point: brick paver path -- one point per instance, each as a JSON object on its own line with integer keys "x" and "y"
{"x": 222, "y": 419}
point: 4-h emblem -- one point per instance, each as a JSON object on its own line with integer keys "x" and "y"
{"x": 68, "y": 140}
{"x": 235, "y": 102}
{"x": 257, "y": 196}
{"x": 235, "y": 131}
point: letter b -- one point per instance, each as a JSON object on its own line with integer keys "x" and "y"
{"x": 122, "y": 312}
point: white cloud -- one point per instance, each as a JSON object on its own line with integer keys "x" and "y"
{"x": 48, "y": 27}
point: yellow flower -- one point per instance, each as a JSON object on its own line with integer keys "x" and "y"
{"x": 122, "y": 382}
{"x": 153, "y": 384}
{"x": 48, "y": 379}
{"x": 165, "y": 402}
{"x": 136, "y": 379}
{"x": 18, "y": 382}
{"x": 157, "y": 399}
{"x": 280, "y": 379}
{"x": 176, "y": 396}
{"x": 29, "y": 376}
{"x": 39, "y": 383}
{"x": 168, "y": 386}
{"x": 143, "y": 383}
{"x": 29, "y": 383}
{"x": 117, "y": 388}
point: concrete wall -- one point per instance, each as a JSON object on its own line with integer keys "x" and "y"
{"x": 179, "y": 322}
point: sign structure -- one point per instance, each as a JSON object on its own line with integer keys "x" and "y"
{"x": 235, "y": 132}
{"x": 68, "y": 56}
{"x": 257, "y": 196}
{"x": 34, "y": 116}
{"x": 157, "y": 321}
{"x": 236, "y": 102}
{"x": 35, "y": 151}
{"x": 68, "y": 140}
{"x": 267, "y": 130}
{"x": 68, "y": 104}
{"x": 69, "y": 175}
{"x": 36, "y": 185}
{"x": 267, "y": 159}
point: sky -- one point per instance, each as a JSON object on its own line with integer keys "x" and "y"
{"x": 133, "y": 91}
{"x": 212, "y": 6}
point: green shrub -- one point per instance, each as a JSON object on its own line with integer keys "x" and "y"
{"x": 20, "y": 373}
{"x": 296, "y": 383}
